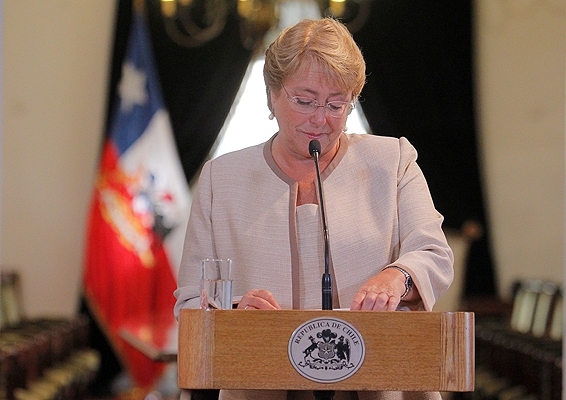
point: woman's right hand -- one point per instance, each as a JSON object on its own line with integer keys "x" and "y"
{"x": 258, "y": 299}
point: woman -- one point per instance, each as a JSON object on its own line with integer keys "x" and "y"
{"x": 259, "y": 206}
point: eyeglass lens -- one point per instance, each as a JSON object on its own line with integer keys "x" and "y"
{"x": 307, "y": 105}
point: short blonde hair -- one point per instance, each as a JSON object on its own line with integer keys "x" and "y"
{"x": 325, "y": 42}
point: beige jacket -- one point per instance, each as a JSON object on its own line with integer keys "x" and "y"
{"x": 379, "y": 212}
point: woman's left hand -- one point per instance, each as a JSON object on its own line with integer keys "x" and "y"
{"x": 381, "y": 293}
{"x": 258, "y": 300}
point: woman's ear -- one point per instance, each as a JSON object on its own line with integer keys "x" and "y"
{"x": 269, "y": 99}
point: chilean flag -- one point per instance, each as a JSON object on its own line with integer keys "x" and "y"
{"x": 138, "y": 215}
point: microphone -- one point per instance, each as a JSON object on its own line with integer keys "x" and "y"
{"x": 314, "y": 150}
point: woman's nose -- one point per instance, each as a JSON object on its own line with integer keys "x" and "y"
{"x": 319, "y": 115}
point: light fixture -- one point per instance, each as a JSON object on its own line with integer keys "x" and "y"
{"x": 337, "y": 7}
{"x": 192, "y": 23}
{"x": 353, "y": 13}
{"x": 257, "y": 17}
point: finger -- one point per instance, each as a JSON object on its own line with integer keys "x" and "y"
{"x": 259, "y": 299}
{"x": 267, "y": 297}
{"x": 358, "y": 300}
{"x": 372, "y": 302}
{"x": 262, "y": 304}
{"x": 244, "y": 302}
{"x": 392, "y": 303}
{"x": 380, "y": 302}
{"x": 253, "y": 303}
{"x": 248, "y": 300}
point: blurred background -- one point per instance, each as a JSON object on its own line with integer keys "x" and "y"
{"x": 60, "y": 66}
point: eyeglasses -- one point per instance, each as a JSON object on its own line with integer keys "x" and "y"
{"x": 306, "y": 105}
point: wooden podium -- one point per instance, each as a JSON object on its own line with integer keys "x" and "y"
{"x": 248, "y": 349}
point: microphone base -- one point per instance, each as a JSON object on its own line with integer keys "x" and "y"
{"x": 324, "y": 394}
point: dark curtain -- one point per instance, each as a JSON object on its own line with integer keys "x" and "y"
{"x": 419, "y": 57}
{"x": 199, "y": 86}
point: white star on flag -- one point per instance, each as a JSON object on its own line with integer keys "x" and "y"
{"x": 132, "y": 87}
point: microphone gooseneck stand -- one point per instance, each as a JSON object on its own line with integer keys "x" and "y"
{"x": 314, "y": 150}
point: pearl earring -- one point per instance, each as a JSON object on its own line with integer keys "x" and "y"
{"x": 271, "y": 116}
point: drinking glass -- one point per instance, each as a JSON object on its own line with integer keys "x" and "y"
{"x": 216, "y": 284}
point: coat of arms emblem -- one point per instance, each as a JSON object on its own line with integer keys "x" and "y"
{"x": 326, "y": 350}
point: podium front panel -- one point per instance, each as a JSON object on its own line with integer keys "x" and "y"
{"x": 248, "y": 349}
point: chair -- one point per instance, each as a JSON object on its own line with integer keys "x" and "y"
{"x": 41, "y": 358}
{"x": 10, "y": 299}
{"x": 556, "y": 325}
{"x": 522, "y": 358}
{"x": 524, "y": 305}
{"x": 543, "y": 309}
